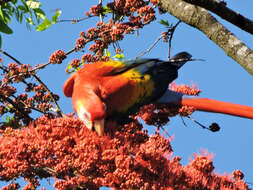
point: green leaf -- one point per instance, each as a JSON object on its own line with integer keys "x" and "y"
{"x": 14, "y": 1}
{"x": 6, "y": 17}
{"x": 44, "y": 25}
{"x": 108, "y": 53}
{"x": 0, "y": 41}
{"x": 8, "y": 119}
{"x": 21, "y": 18}
{"x": 69, "y": 67}
{"x": 10, "y": 8}
{"x": 163, "y": 22}
{"x": 5, "y": 28}
{"x": 119, "y": 56}
{"x": 56, "y": 16}
{"x": 1, "y": 13}
{"x": 39, "y": 14}
{"x": 19, "y": 15}
{"x": 26, "y": 8}
{"x": 33, "y": 4}
{"x": 106, "y": 10}
{"x": 22, "y": 8}
{"x": 30, "y": 21}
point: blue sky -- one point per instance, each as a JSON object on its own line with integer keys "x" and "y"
{"x": 219, "y": 77}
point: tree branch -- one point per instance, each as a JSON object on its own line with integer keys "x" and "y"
{"x": 226, "y": 13}
{"x": 58, "y": 109}
{"x": 151, "y": 47}
{"x": 15, "y": 106}
{"x": 199, "y": 18}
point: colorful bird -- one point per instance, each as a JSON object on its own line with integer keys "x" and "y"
{"x": 107, "y": 89}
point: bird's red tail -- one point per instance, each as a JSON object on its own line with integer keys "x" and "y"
{"x": 208, "y": 105}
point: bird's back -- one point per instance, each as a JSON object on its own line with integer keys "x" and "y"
{"x": 127, "y": 91}
{"x": 126, "y": 86}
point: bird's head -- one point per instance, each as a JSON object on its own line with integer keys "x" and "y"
{"x": 180, "y": 59}
{"x": 86, "y": 102}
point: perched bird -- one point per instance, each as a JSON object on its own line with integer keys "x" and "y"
{"x": 106, "y": 89}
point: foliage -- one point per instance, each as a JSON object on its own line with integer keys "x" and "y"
{"x": 28, "y": 10}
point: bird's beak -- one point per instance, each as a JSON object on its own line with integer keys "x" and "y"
{"x": 98, "y": 126}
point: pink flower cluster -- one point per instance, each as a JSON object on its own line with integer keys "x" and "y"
{"x": 158, "y": 115}
{"x": 185, "y": 89}
{"x": 125, "y": 158}
{"x": 57, "y": 57}
{"x": 138, "y": 13}
{"x": 20, "y": 104}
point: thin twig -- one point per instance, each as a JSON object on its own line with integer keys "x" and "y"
{"x": 165, "y": 131}
{"x": 171, "y": 32}
{"x": 58, "y": 109}
{"x": 43, "y": 65}
{"x": 148, "y": 50}
{"x": 10, "y": 101}
{"x": 51, "y": 171}
{"x": 100, "y": 15}
{"x": 73, "y": 21}
{"x": 72, "y": 50}
{"x": 113, "y": 14}
{"x": 195, "y": 121}
{"x": 183, "y": 121}
{"x": 8, "y": 55}
{"x": 46, "y": 169}
{"x": 4, "y": 69}
{"x": 28, "y": 107}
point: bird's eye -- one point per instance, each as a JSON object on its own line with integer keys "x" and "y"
{"x": 85, "y": 115}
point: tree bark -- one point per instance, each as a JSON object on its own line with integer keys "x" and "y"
{"x": 225, "y": 13}
{"x": 199, "y": 18}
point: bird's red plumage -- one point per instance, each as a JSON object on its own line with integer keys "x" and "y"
{"x": 92, "y": 86}
{"x": 101, "y": 89}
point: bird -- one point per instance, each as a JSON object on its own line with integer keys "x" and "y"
{"x": 110, "y": 89}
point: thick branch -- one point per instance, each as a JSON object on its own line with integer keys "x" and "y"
{"x": 226, "y": 13}
{"x": 200, "y": 18}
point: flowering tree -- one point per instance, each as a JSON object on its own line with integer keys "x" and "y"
{"x": 60, "y": 146}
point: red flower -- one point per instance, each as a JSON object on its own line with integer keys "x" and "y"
{"x": 57, "y": 57}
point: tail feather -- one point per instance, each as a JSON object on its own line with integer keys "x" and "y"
{"x": 207, "y": 105}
